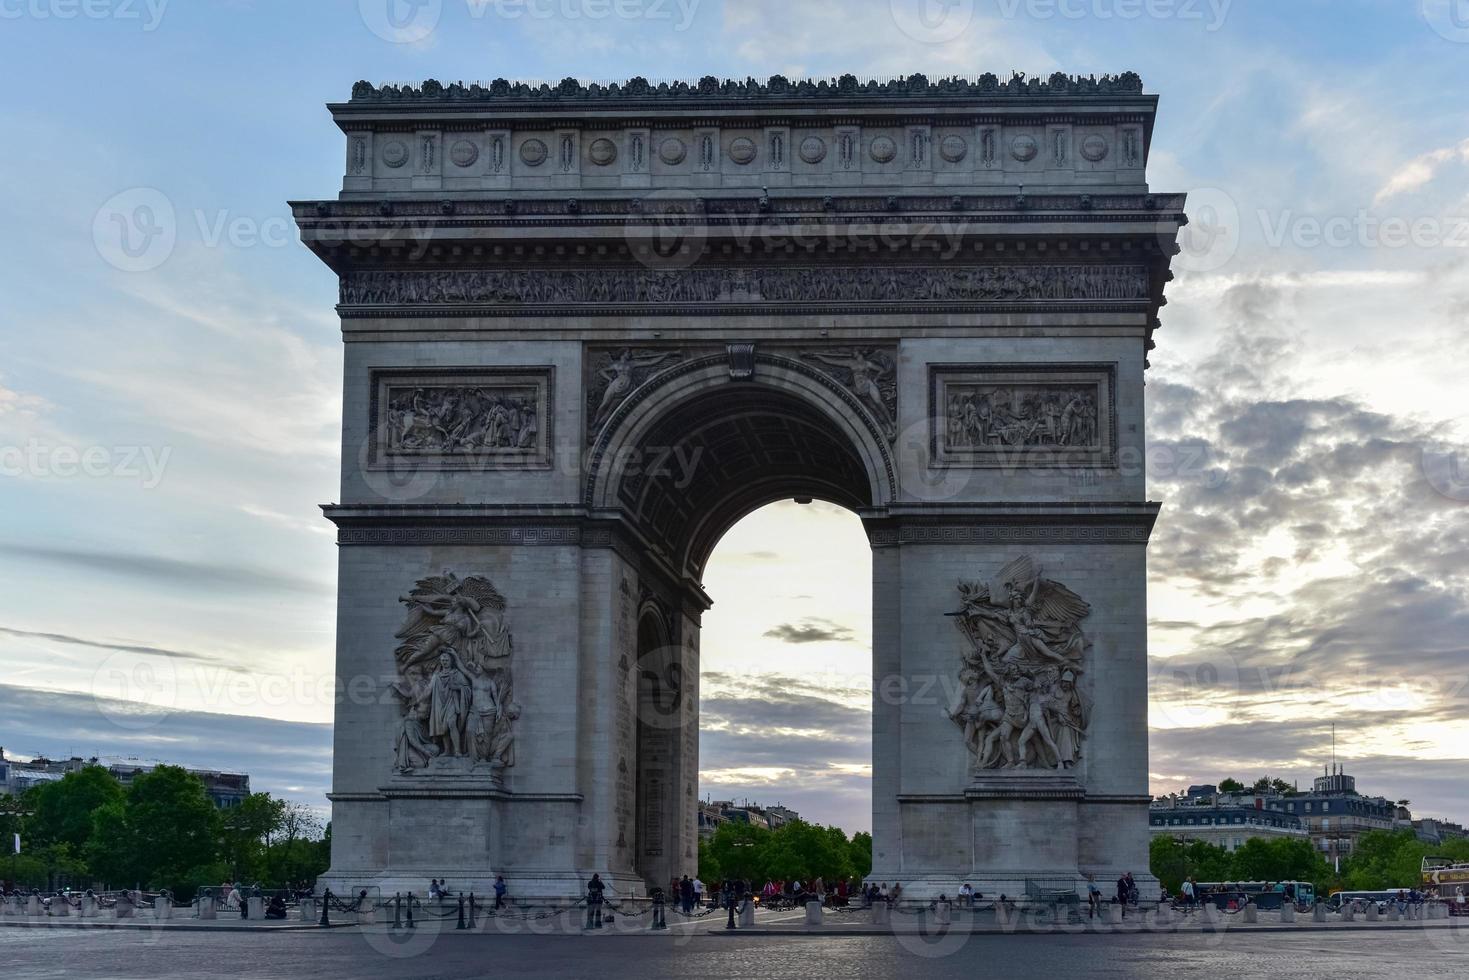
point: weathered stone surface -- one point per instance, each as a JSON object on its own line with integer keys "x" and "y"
{"x": 930, "y": 302}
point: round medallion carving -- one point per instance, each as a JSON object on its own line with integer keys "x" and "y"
{"x": 533, "y": 153}
{"x": 602, "y": 152}
{"x": 742, "y": 150}
{"x": 813, "y": 149}
{"x": 953, "y": 148}
{"x": 395, "y": 153}
{"x": 1024, "y": 148}
{"x": 672, "y": 151}
{"x": 883, "y": 149}
{"x": 1094, "y": 148}
{"x": 464, "y": 153}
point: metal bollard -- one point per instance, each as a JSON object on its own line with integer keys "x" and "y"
{"x": 410, "y": 911}
{"x": 326, "y": 902}
{"x": 460, "y": 924}
{"x": 659, "y": 922}
{"x": 397, "y": 910}
{"x": 471, "y": 910}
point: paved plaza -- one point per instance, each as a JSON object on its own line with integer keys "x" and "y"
{"x": 352, "y": 953}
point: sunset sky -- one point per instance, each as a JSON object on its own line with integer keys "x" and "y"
{"x": 166, "y": 433}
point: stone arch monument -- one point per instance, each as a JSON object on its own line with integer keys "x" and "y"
{"x": 588, "y": 328}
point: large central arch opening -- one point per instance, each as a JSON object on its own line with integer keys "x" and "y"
{"x": 691, "y": 466}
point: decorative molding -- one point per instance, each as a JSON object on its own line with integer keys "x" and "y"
{"x": 555, "y": 535}
{"x": 461, "y": 418}
{"x": 776, "y": 88}
{"x": 821, "y": 284}
{"x": 1021, "y": 703}
{"x": 1023, "y": 416}
{"x": 1034, "y": 534}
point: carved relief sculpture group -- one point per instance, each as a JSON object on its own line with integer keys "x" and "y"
{"x": 1021, "y": 704}
{"x": 454, "y": 680}
{"x": 453, "y": 420}
{"x": 1043, "y": 417}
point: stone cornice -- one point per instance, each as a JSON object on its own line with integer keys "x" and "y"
{"x": 1012, "y": 523}
{"x": 710, "y": 91}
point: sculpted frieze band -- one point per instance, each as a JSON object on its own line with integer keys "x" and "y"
{"x": 512, "y": 288}
{"x": 1057, "y": 415}
{"x": 462, "y": 419}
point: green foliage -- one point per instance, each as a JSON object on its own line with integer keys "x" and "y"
{"x": 62, "y": 811}
{"x": 1258, "y": 859}
{"x": 797, "y": 850}
{"x": 166, "y": 831}
{"x": 162, "y": 832}
{"x": 1394, "y": 859}
{"x": 1231, "y": 786}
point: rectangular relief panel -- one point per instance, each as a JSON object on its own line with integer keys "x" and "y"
{"x": 462, "y": 418}
{"x": 1029, "y": 415}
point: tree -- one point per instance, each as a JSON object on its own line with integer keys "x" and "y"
{"x": 245, "y": 832}
{"x": 62, "y": 811}
{"x": 165, "y": 834}
{"x": 861, "y": 854}
{"x": 1231, "y": 786}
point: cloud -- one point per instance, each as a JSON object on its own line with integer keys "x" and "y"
{"x": 100, "y": 645}
{"x": 172, "y": 572}
{"x": 286, "y": 759}
{"x": 811, "y": 631}
{"x": 1419, "y": 171}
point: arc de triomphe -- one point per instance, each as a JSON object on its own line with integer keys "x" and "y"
{"x": 588, "y": 328}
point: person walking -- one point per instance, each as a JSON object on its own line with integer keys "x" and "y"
{"x": 500, "y": 890}
{"x": 1093, "y": 897}
{"x": 686, "y": 895}
{"x": 698, "y": 891}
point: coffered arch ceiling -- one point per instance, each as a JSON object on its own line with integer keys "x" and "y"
{"x": 712, "y": 459}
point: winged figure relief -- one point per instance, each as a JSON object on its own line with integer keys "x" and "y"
{"x": 1020, "y": 701}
